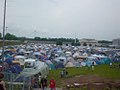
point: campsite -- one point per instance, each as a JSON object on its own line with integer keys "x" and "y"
{"x": 59, "y": 44}
{"x": 85, "y": 65}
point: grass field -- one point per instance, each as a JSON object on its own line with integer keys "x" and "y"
{"x": 10, "y": 43}
{"x": 103, "y": 71}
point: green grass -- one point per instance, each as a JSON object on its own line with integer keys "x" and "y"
{"x": 100, "y": 70}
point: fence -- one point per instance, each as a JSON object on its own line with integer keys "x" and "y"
{"x": 12, "y": 84}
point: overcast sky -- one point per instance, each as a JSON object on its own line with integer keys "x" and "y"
{"x": 94, "y": 19}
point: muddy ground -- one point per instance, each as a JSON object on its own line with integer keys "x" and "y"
{"x": 91, "y": 82}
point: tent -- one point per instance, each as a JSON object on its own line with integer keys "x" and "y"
{"x": 106, "y": 60}
{"x": 27, "y": 72}
{"x": 29, "y": 62}
{"x": 50, "y": 64}
{"x": 15, "y": 69}
{"x": 61, "y": 59}
{"x": 18, "y": 68}
{"x": 69, "y": 64}
{"x": 68, "y": 53}
{"x": 9, "y": 60}
{"x": 83, "y": 64}
{"x": 40, "y": 67}
{"x": 97, "y": 61}
{"x": 20, "y": 58}
{"x": 59, "y": 65}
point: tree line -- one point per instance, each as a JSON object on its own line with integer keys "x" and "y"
{"x": 10, "y": 36}
{"x": 59, "y": 41}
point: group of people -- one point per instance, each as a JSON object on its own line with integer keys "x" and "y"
{"x": 114, "y": 65}
{"x": 43, "y": 83}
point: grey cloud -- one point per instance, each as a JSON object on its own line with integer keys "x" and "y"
{"x": 99, "y": 19}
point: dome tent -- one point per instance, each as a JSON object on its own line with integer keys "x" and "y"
{"x": 69, "y": 64}
{"x": 50, "y": 64}
{"x": 9, "y": 60}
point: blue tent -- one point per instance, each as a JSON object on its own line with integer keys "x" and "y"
{"x": 8, "y": 52}
{"x": 13, "y": 69}
{"x": 105, "y": 60}
{"x": 88, "y": 63}
{"x": 116, "y": 59}
{"x": 52, "y": 66}
{"x": 59, "y": 65}
{"x": 9, "y": 60}
{"x": 97, "y": 62}
{"x": 19, "y": 69}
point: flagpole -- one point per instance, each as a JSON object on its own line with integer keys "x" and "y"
{"x": 4, "y": 22}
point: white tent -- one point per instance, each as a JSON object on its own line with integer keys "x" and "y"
{"x": 83, "y": 64}
{"x": 75, "y": 55}
{"x": 39, "y": 67}
{"x": 20, "y": 58}
{"x": 61, "y": 60}
{"x": 69, "y": 64}
{"x": 37, "y": 53}
{"x": 68, "y": 53}
{"x": 29, "y": 61}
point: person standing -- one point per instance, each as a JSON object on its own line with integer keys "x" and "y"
{"x": 39, "y": 78}
{"x": 93, "y": 66}
{"x": 2, "y": 83}
{"x": 65, "y": 73}
{"x": 52, "y": 84}
{"x": 110, "y": 64}
{"x": 44, "y": 83}
{"x": 62, "y": 74}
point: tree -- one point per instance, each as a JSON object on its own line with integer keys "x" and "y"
{"x": 0, "y": 35}
{"x": 90, "y": 44}
{"x": 9, "y": 36}
{"x": 59, "y": 43}
{"x": 36, "y": 38}
{"x": 75, "y": 44}
{"x": 84, "y": 44}
{"x": 78, "y": 44}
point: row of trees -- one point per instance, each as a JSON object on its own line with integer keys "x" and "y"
{"x": 9, "y": 36}
{"x": 59, "y": 41}
{"x": 56, "y": 39}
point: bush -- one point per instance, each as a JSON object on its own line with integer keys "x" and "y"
{"x": 59, "y": 43}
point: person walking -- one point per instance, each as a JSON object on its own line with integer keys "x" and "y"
{"x": 52, "y": 84}
{"x": 2, "y": 83}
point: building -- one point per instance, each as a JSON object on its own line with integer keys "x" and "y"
{"x": 88, "y": 42}
{"x": 116, "y": 43}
